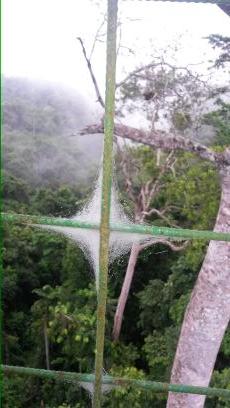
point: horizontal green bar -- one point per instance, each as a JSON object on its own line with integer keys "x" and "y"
{"x": 51, "y": 221}
{"x": 171, "y": 232}
{"x": 123, "y": 382}
{"x": 126, "y": 228}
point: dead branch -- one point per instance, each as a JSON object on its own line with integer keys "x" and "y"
{"x": 135, "y": 72}
{"x": 165, "y": 141}
{"x": 135, "y": 250}
{"x": 99, "y": 98}
{"x": 162, "y": 63}
{"x": 96, "y": 36}
{"x": 171, "y": 245}
{"x": 156, "y": 185}
{"x": 124, "y": 168}
{"x": 160, "y": 215}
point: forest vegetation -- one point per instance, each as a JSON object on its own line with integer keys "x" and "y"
{"x": 49, "y": 297}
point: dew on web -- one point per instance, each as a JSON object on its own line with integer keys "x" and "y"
{"x": 89, "y": 239}
{"x": 89, "y": 387}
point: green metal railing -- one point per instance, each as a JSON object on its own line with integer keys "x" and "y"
{"x": 155, "y": 386}
{"x": 105, "y": 227}
{"x": 174, "y": 233}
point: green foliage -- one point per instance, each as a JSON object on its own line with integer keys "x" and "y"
{"x": 188, "y": 191}
{"x": 220, "y": 379}
{"x": 157, "y": 354}
{"x": 177, "y": 310}
{"x": 153, "y": 309}
{"x": 220, "y": 120}
{"x": 72, "y": 329}
{"x": 47, "y": 278}
{"x": 225, "y": 348}
{"x": 221, "y": 43}
{"x": 16, "y": 194}
{"x": 181, "y": 120}
{"x": 61, "y": 202}
{"x": 123, "y": 397}
{"x": 15, "y": 386}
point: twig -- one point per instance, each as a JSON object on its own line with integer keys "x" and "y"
{"x": 99, "y": 98}
{"x": 161, "y": 64}
{"x": 161, "y": 215}
{"x": 172, "y": 246}
{"x": 96, "y": 36}
{"x": 128, "y": 182}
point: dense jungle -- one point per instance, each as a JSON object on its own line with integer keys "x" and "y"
{"x": 49, "y": 295}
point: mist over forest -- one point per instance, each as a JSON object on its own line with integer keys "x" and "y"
{"x": 40, "y": 124}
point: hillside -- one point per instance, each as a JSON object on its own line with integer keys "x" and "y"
{"x": 38, "y": 121}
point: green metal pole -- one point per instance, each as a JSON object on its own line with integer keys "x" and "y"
{"x": 126, "y": 228}
{"x": 122, "y": 382}
{"x": 107, "y": 176}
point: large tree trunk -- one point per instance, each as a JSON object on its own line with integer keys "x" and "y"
{"x": 207, "y": 314}
{"x": 125, "y": 291}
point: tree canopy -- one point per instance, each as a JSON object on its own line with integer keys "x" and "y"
{"x": 49, "y": 296}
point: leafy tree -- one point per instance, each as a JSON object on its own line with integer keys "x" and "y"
{"x": 222, "y": 44}
{"x": 220, "y": 120}
{"x": 40, "y": 309}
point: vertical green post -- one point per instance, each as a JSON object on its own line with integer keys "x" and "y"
{"x": 106, "y": 195}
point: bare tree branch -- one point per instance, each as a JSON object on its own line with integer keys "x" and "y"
{"x": 155, "y": 187}
{"x": 161, "y": 63}
{"x": 171, "y": 245}
{"x": 160, "y": 215}
{"x": 135, "y": 250}
{"x": 99, "y": 98}
{"x": 165, "y": 141}
{"x": 136, "y": 71}
{"x": 125, "y": 172}
{"x": 96, "y": 36}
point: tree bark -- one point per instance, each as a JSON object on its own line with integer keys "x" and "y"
{"x": 162, "y": 140}
{"x": 207, "y": 314}
{"x": 125, "y": 291}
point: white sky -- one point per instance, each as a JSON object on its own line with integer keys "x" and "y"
{"x": 39, "y": 36}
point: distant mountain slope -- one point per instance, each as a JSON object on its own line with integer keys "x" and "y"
{"x": 38, "y": 120}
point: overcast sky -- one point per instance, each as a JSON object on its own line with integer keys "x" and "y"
{"x": 39, "y": 36}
